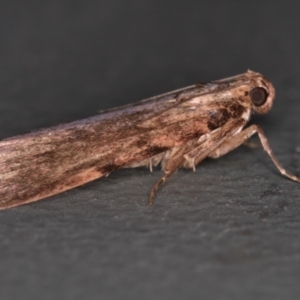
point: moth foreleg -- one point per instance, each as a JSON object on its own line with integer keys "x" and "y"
{"x": 243, "y": 136}
{"x": 214, "y": 141}
{"x": 233, "y": 142}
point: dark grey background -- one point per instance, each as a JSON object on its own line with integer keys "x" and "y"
{"x": 229, "y": 231}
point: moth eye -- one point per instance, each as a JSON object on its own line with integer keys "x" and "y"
{"x": 258, "y": 96}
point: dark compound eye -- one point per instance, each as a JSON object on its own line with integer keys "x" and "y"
{"x": 258, "y": 96}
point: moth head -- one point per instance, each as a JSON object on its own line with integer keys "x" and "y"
{"x": 261, "y": 94}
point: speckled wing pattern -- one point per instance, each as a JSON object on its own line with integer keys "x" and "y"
{"x": 165, "y": 129}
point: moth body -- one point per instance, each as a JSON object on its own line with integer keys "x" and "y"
{"x": 176, "y": 129}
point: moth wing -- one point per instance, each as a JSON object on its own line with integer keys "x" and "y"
{"x": 49, "y": 161}
{"x": 46, "y": 162}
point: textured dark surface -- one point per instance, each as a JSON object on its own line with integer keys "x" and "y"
{"x": 229, "y": 231}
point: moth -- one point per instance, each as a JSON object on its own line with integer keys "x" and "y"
{"x": 177, "y": 129}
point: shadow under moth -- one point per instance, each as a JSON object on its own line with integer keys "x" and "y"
{"x": 176, "y": 129}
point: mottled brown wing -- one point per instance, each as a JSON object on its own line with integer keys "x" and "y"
{"x": 47, "y": 162}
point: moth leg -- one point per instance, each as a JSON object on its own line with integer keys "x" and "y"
{"x": 191, "y": 153}
{"x": 170, "y": 163}
{"x": 174, "y": 161}
{"x": 215, "y": 140}
{"x": 234, "y": 142}
{"x": 149, "y": 162}
{"x": 241, "y": 137}
{"x": 157, "y": 185}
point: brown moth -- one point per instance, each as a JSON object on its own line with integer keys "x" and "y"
{"x": 176, "y": 129}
